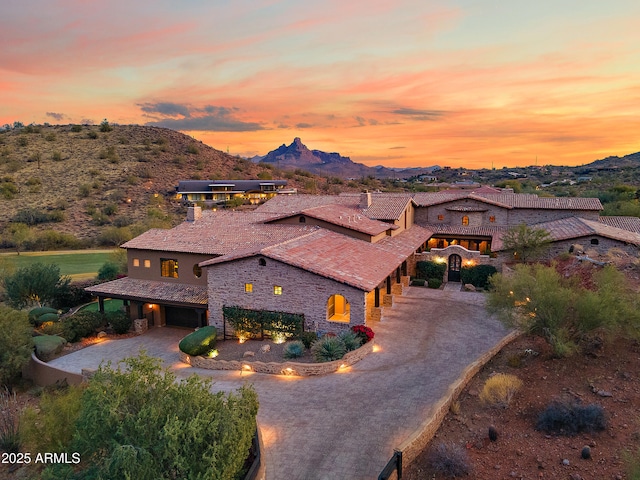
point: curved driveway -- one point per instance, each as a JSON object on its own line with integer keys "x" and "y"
{"x": 346, "y": 425}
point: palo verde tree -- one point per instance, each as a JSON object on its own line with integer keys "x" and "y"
{"x": 525, "y": 242}
{"x": 16, "y": 344}
{"x": 35, "y": 284}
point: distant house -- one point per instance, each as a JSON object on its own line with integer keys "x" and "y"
{"x": 338, "y": 260}
{"x": 218, "y": 192}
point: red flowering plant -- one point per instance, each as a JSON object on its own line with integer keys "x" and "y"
{"x": 363, "y": 332}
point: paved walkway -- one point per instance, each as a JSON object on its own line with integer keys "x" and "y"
{"x": 346, "y": 425}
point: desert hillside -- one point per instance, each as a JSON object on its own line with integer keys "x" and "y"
{"x": 88, "y": 180}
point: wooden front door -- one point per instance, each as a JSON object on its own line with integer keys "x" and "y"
{"x": 455, "y": 262}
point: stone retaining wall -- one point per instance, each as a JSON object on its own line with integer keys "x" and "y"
{"x": 412, "y": 447}
{"x": 278, "y": 368}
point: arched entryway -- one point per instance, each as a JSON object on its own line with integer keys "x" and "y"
{"x": 455, "y": 262}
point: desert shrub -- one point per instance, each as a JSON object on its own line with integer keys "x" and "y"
{"x": 569, "y": 419}
{"x": 294, "y": 349}
{"x": 84, "y": 190}
{"x": 50, "y": 137}
{"x": 34, "y": 216}
{"x": 364, "y": 332}
{"x": 498, "y": 390}
{"x": 52, "y": 240}
{"x": 632, "y": 464}
{"x": 137, "y": 422}
{"x": 199, "y": 342}
{"x": 328, "y": 348}
{"x": 122, "y": 221}
{"x": 8, "y": 190}
{"x": 37, "y": 312}
{"x": 22, "y": 142}
{"x": 100, "y": 218}
{"x": 34, "y": 284}
{"x": 115, "y": 236}
{"x": 108, "y": 271}
{"x": 69, "y": 296}
{"x": 92, "y": 134}
{"x": 81, "y": 325}
{"x": 46, "y": 346}
{"x": 434, "y": 283}
{"x": 47, "y": 317}
{"x": 477, "y": 275}
{"x": 350, "y": 339}
{"x": 51, "y": 328}
{"x": 9, "y": 422}
{"x": 119, "y": 321}
{"x": 76, "y": 128}
{"x": 428, "y": 269}
{"x": 418, "y": 282}
{"x": 192, "y": 149}
{"x": 308, "y": 338}
{"x": 16, "y": 344}
{"x": 50, "y": 428}
{"x": 449, "y": 459}
{"x": 104, "y": 126}
{"x": 56, "y": 156}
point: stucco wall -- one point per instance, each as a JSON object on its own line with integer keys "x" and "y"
{"x": 302, "y": 292}
{"x": 186, "y": 262}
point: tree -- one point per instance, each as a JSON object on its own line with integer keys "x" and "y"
{"x": 16, "y": 344}
{"x": 137, "y": 422}
{"x": 104, "y": 126}
{"x": 525, "y": 242}
{"x": 19, "y": 236}
{"x": 34, "y": 284}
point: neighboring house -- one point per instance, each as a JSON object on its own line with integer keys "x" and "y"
{"x": 338, "y": 260}
{"x": 218, "y": 192}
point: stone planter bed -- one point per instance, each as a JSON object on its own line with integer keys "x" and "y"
{"x": 231, "y": 357}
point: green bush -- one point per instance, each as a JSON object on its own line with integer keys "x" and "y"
{"x": 76, "y": 128}
{"x": 199, "y": 342}
{"x": 428, "y": 269}
{"x": 478, "y": 275}
{"x": 47, "y": 317}
{"x": 50, "y": 427}
{"x": 119, "y": 321}
{"x": 81, "y": 325}
{"x": 37, "y": 312}
{"x": 47, "y": 346}
{"x": 68, "y": 296}
{"x": 51, "y": 328}
{"x": 9, "y": 422}
{"x": 253, "y": 323}
{"x": 350, "y": 340}
{"x": 294, "y": 349}
{"x": 308, "y": 338}
{"x": 136, "y": 421}
{"x": 16, "y": 344}
{"x": 328, "y": 348}
{"x": 108, "y": 271}
{"x": 434, "y": 283}
{"x": 35, "y": 283}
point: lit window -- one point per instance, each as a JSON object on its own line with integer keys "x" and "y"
{"x": 338, "y": 309}
{"x": 147, "y": 264}
{"x": 465, "y": 220}
{"x": 277, "y": 290}
{"x": 169, "y": 267}
{"x": 197, "y": 270}
{"x": 492, "y": 219}
{"x": 248, "y": 287}
{"x": 440, "y": 217}
{"x": 136, "y": 262}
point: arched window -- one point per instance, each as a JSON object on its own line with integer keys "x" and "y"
{"x": 262, "y": 262}
{"x": 338, "y": 309}
{"x": 302, "y": 219}
{"x": 465, "y": 220}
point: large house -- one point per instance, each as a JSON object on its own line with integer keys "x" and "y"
{"x": 219, "y": 192}
{"x": 338, "y": 260}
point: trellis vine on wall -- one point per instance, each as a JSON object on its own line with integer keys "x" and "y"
{"x": 258, "y": 323}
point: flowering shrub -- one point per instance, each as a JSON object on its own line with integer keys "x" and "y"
{"x": 363, "y": 332}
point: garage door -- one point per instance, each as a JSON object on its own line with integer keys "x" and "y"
{"x": 181, "y": 317}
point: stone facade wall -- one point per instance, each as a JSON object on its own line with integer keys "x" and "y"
{"x": 532, "y": 216}
{"x": 467, "y": 256}
{"x": 302, "y": 293}
{"x": 604, "y": 245}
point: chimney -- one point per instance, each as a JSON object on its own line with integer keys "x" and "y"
{"x": 365, "y": 200}
{"x": 194, "y": 213}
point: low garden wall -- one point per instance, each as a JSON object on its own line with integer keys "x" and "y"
{"x": 281, "y": 368}
{"x": 44, "y": 375}
{"x": 412, "y": 447}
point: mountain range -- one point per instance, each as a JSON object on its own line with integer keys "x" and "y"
{"x": 298, "y": 156}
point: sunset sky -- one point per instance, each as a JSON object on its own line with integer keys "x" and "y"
{"x": 397, "y": 83}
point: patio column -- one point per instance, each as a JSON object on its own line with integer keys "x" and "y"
{"x": 140, "y": 314}
{"x": 101, "y": 304}
{"x": 389, "y": 285}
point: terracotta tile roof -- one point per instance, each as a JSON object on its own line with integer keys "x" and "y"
{"x": 575, "y": 227}
{"x": 343, "y": 216}
{"x": 296, "y": 203}
{"x": 332, "y": 255}
{"x": 387, "y": 206}
{"x": 510, "y": 200}
{"x": 407, "y": 242}
{"x": 631, "y": 224}
{"x": 151, "y": 291}
{"x": 218, "y": 233}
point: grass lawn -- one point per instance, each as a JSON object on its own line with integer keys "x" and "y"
{"x": 78, "y": 264}
{"x": 111, "y": 305}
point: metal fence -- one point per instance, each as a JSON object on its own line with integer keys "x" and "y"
{"x": 255, "y": 451}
